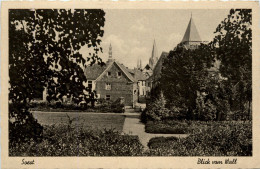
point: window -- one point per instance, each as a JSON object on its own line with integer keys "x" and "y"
{"x": 108, "y": 86}
{"x": 90, "y": 85}
{"x": 107, "y": 97}
{"x": 108, "y": 73}
{"x": 119, "y": 74}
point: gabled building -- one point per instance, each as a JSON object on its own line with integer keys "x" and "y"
{"x": 114, "y": 81}
{"x": 141, "y": 78}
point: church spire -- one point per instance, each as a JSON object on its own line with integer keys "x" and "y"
{"x": 154, "y": 58}
{"x": 191, "y": 34}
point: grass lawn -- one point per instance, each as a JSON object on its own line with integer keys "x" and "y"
{"x": 86, "y": 120}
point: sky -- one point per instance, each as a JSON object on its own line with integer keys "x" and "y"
{"x": 132, "y": 32}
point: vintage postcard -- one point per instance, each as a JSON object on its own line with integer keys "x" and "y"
{"x": 130, "y": 85}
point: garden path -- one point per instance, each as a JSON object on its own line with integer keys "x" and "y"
{"x": 133, "y": 126}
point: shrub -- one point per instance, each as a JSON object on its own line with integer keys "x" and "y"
{"x": 23, "y": 127}
{"x": 117, "y": 106}
{"x": 156, "y": 110}
{"x": 209, "y": 139}
{"x": 156, "y": 142}
{"x": 102, "y": 106}
{"x": 167, "y": 127}
{"x": 68, "y": 141}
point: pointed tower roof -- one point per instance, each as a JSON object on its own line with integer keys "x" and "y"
{"x": 154, "y": 58}
{"x": 191, "y": 34}
{"x": 154, "y": 51}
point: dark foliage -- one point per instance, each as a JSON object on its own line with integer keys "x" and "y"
{"x": 101, "y": 106}
{"x": 208, "y": 139}
{"x": 117, "y": 106}
{"x": 167, "y": 127}
{"x": 68, "y": 141}
{"x": 197, "y": 88}
{"x": 23, "y": 127}
{"x": 156, "y": 142}
{"x": 233, "y": 43}
{"x": 183, "y": 75}
{"x": 44, "y": 49}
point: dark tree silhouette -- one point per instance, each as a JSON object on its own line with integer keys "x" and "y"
{"x": 186, "y": 73}
{"x": 233, "y": 43}
{"x": 44, "y": 49}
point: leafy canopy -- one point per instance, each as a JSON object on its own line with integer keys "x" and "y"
{"x": 44, "y": 49}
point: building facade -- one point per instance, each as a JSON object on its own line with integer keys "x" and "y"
{"x": 113, "y": 81}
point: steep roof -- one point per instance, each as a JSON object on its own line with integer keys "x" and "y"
{"x": 125, "y": 70}
{"x": 137, "y": 74}
{"x": 92, "y": 72}
{"x": 191, "y": 34}
{"x": 158, "y": 67}
{"x": 121, "y": 67}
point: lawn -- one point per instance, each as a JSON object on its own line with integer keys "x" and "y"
{"x": 86, "y": 120}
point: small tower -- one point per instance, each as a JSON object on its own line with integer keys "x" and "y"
{"x": 110, "y": 58}
{"x": 110, "y": 51}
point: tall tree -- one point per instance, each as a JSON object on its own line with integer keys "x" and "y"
{"x": 233, "y": 43}
{"x": 183, "y": 75}
{"x": 44, "y": 49}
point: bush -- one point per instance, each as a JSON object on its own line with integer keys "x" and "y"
{"x": 23, "y": 127}
{"x": 156, "y": 110}
{"x": 67, "y": 141}
{"x": 102, "y": 106}
{"x": 209, "y": 139}
{"x": 117, "y": 106}
{"x": 167, "y": 127}
{"x": 156, "y": 142}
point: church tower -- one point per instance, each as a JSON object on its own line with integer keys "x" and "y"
{"x": 154, "y": 58}
{"x": 191, "y": 38}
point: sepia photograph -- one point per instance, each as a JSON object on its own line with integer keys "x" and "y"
{"x": 130, "y": 82}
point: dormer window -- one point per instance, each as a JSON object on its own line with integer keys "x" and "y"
{"x": 119, "y": 74}
{"x": 108, "y": 73}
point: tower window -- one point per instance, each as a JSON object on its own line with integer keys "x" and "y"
{"x": 108, "y": 73}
